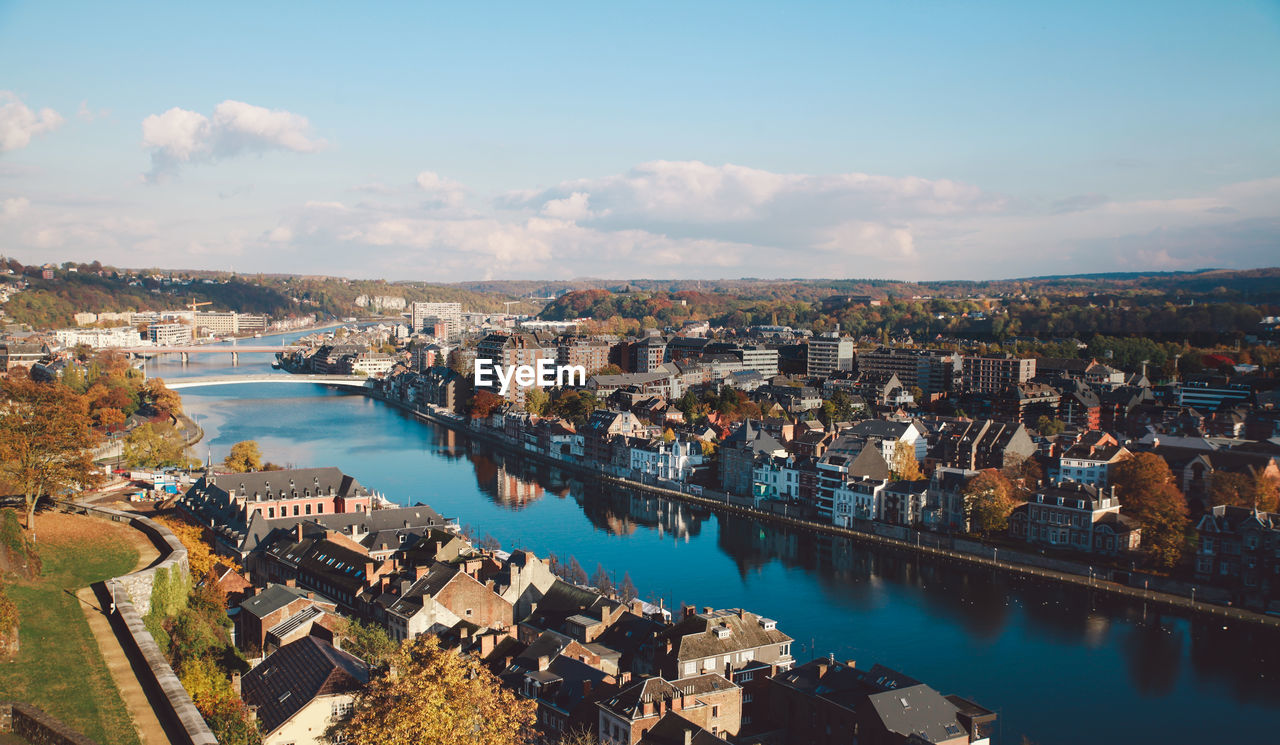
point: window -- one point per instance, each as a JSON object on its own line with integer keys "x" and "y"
{"x": 308, "y": 509}
{"x": 715, "y": 711}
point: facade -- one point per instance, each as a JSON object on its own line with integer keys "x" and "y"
{"x": 169, "y": 334}
{"x": 228, "y": 502}
{"x": 1090, "y": 462}
{"x": 1075, "y": 516}
{"x": 991, "y": 374}
{"x": 450, "y": 314}
{"x": 725, "y": 642}
{"x": 509, "y": 350}
{"x": 590, "y": 354}
{"x": 708, "y": 701}
{"x": 828, "y": 353}
{"x": 1240, "y": 547}
{"x": 109, "y": 338}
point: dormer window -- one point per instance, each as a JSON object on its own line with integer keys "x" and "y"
{"x": 722, "y": 632}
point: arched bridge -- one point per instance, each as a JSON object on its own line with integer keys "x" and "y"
{"x": 347, "y": 381}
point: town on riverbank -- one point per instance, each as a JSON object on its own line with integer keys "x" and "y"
{"x": 1063, "y": 469}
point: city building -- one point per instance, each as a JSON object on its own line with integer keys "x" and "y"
{"x": 1075, "y": 516}
{"x": 828, "y": 353}
{"x": 169, "y": 334}
{"x": 301, "y": 689}
{"x": 450, "y": 314}
{"x": 991, "y": 374}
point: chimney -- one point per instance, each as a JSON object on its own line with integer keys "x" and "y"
{"x": 487, "y": 642}
{"x": 688, "y": 737}
{"x": 624, "y": 678}
{"x": 544, "y": 662}
{"x": 291, "y": 582}
{"x": 586, "y": 688}
{"x": 420, "y": 571}
{"x": 310, "y": 595}
{"x": 368, "y": 570}
{"x": 297, "y": 530}
{"x": 235, "y": 682}
{"x": 822, "y": 669}
{"x": 707, "y": 609}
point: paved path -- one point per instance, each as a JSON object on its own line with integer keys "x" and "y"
{"x": 144, "y": 718}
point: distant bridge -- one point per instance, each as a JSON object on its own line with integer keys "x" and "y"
{"x": 346, "y": 381}
{"x": 235, "y": 350}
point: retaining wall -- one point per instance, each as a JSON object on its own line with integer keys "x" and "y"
{"x": 131, "y": 595}
{"x": 36, "y": 727}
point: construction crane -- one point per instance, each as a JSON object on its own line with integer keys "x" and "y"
{"x": 192, "y": 306}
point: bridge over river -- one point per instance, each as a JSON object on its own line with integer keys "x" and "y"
{"x": 346, "y": 381}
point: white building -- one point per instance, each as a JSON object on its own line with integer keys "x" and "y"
{"x": 450, "y": 314}
{"x": 828, "y": 353}
{"x": 109, "y": 338}
{"x": 856, "y": 499}
{"x": 672, "y": 461}
{"x": 776, "y": 478}
{"x": 169, "y": 334}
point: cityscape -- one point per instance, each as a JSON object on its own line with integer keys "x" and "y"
{"x": 348, "y": 399}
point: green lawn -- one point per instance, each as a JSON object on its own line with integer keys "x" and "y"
{"x": 59, "y": 667}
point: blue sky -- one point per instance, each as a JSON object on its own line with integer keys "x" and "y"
{"x": 463, "y": 141}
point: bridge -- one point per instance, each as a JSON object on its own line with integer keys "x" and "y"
{"x": 235, "y": 350}
{"x": 345, "y": 381}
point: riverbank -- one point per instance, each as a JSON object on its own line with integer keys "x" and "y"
{"x": 938, "y": 547}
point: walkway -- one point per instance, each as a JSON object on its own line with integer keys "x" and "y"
{"x": 145, "y": 721}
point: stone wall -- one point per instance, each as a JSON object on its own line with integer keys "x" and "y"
{"x": 36, "y": 727}
{"x": 131, "y": 595}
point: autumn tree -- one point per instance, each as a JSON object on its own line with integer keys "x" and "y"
{"x": 109, "y": 419}
{"x": 368, "y": 641}
{"x": 432, "y": 696}
{"x": 1149, "y": 494}
{"x": 152, "y": 446}
{"x": 1025, "y": 476}
{"x": 245, "y": 456}
{"x": 483, "y": 403}
{"x": 536, "y": 401}
{"x": 45, "y": 441}
{"x": 1244, "y": 490}
{"x": 162, "y": 399}
{"x": 904, "y": 466}
{"x": 199, "y": 545}
{"x": 988, "y": 500}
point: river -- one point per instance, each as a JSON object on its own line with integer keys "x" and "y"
{"x": 1060, "y": 664}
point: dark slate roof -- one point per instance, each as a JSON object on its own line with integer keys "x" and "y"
{"x": 753, "y": 437}
{"x": 267, "y": 484}
{"x": 671, "y": 730}
{"x": 261, "y": 529}
{"x": 629, "y": 701}
{"x": 917, "y": 710}
{"x": 271, "y": 600}
{"x": 289, "y": 678}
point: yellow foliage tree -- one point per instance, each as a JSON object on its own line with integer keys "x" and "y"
{"x": 431, "y": 696}
{"x": 200, "y": 558}
{"x": 904, "y": 466}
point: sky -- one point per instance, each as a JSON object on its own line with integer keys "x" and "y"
{"x": 465, "y": 141}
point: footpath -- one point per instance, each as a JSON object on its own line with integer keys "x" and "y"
{"x": 96, "y": 603}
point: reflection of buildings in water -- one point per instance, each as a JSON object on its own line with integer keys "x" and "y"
{"x": 447, "y": 442}
{"x": 670, "y": 518}
{"x": 514, "y": 491}
{"x": 1096, "y": 627}
{"x": 1154, "y": 654}
{"x": 507, "y": 486}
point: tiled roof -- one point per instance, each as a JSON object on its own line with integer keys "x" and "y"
{"x": 292, "y": 676}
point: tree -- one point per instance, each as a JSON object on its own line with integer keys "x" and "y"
{"x": 1244, "y": 490}
{"x": 600, "y": 580}
{"x": 668, "y": 436}
{"x": 536, "y": 401}
{"x": 1025, "y": 475}
{"x": 109, "y": 419}
{"x": 904, "y": 466}
{"x": 628, "y": 589}
{"x": 149, "y": 446}
{"x": 432, "y": 696}
{"x": 245, "y": 456}
{"x": 163, "y": 400}
{"x": 1049, "y": 427}
{"x": 576, "y": 573}
{"x": 988, "y": 500}
{"x": 200, "y": 556}
{"x": 579, "y": 735}
{"x": 370, "y": 642}
{"x": 483, "y": 403}
{"x": 489, "y": 543}
{"x": 1149, "y": 494}
{"x": 45, "y": 436}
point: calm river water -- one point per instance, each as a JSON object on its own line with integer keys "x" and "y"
{"x": 1061, "y": 665}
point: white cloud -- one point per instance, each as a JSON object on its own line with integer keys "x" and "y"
{"x": 18, "y": 123}
{"x": 180, "y": 136}
{"x": 13, "y": 207}
{"x": 441, "y": 191}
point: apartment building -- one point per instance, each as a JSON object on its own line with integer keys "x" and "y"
{"x": 991, "y": 374}
{"x": 828, "y": 353}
